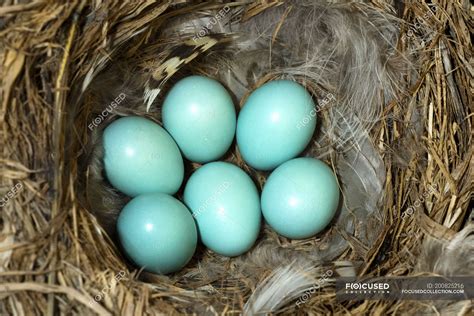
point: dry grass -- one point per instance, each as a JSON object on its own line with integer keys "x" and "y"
{"x": 54, "y": 255}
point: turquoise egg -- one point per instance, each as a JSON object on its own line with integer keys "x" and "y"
{"x": 141, "y": 157}
{"x": 300, "y": 198}
{"x": 275, "y": 124}
{"x": 226, "y": 205}
{"x": 157, "y": 232}
{"x": 200, "y": 115}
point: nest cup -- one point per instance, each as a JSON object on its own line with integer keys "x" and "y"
{"x": 392, "y": 103}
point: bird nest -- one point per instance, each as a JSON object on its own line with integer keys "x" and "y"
{"x": 393, "y": 85}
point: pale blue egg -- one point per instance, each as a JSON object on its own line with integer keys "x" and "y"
{"x": 200, "y": 115}
{"x": 300, "y": 198}
{"x": 157, "y": 232}
{"x": 226, "y": 205}
{"x": 141, "y": 157}
{"x": 275, "y": 124}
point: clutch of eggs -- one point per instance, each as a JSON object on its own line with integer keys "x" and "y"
{"x": 222, "y": 206}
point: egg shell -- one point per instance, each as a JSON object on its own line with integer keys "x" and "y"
{"x": 157, "y": 232}
{"x": 275, "y": 124}
{"x": 200, "y": 115}
{"x": 300, "y": 198}
{"x": 226, "y": 205}
{"x": 141, "y": 157}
